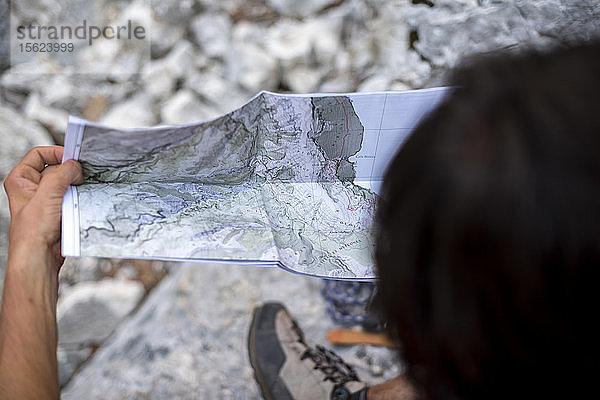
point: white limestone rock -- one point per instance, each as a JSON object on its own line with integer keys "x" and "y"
{"x": 163, "y": 37}
{"x": 447, "y": 36}
{"x": 312, "y": 41}
{"x": 374, "y": 83}
{"x": 245, "y": 32}
{"x": 337, "y": 84}
{"x": 184, "y": 107}
{"x": 250, "y": 65}
{"x": 17, "y": 136}
{"x": 41, "y": 11}
{"x": 290, "y": 42}
{"x": 173, "y": 12}
{"x": 58, "y": 91}
{"x": 88, "y": 312}
{"x": 399, "y": 85}
{"x": 565, "y": 21}
{"x": 4, "y": 32}
{"x": 305, "y": 8}
{"x": 69, "y": 360}
{"x": 164, "y": 34}
{"x": 302, "y": 79}
{"x": 306, "y": 51}
{"x": 118, "y": 60}
{"x": 28, "y": 76}
{"x": 53, "y": 118}
{"x": 453, "y": 30}
{"x": 107, "y": 58}
{"x": 253, "y": 68}
{"x": 223, "y": 95}
{"x": 135, "y": 112}
{"x": 391, "y": 40}
{"x": 138, "y": 12}
{"x": 326, "y": 35}
{"x": 180, "y": 60}
{"x": 78, "y": 269}
{"x": 212, "y": 32}
{"x": 159, "y": 79}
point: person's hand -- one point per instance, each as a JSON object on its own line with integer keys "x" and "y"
{"x": 35, "y": 189}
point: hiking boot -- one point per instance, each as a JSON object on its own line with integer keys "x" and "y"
{"x": 287, "y": 368}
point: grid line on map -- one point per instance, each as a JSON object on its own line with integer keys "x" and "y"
{"x": 312, "y": 190}
{"x": 378, "y": 136}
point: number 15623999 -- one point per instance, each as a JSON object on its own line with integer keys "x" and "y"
{"x": 46, "y": 47}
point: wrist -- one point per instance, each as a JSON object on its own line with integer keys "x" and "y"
{"x": 31, "y": 271}
{"x": 32, "y": 254}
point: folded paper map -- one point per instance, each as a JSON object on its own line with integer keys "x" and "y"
{"x": 286, "y": 180}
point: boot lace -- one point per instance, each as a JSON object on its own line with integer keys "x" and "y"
{"x": 331, "y": 365}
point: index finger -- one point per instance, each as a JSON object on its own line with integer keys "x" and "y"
{"x": 39, "y": 157}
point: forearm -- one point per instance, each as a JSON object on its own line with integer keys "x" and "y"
{"x": 28, "y": 332}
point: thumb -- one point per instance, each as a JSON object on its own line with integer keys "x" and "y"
{"x": 58, "y": 180}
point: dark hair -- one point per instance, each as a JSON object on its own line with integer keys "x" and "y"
{"x": 488, "y": 250}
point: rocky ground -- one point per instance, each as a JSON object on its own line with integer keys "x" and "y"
{"x": 131, "y": 329}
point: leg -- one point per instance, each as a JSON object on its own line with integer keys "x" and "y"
{"x": 398, "y": 388}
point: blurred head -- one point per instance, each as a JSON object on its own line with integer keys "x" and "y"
{"x": 489, "y": 243}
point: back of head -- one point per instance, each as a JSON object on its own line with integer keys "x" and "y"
{"x": 489, "y": 244}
